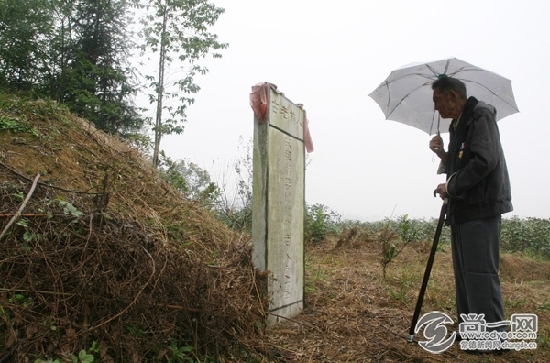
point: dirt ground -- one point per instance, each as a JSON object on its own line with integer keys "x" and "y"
{"x": 353, "y": 314}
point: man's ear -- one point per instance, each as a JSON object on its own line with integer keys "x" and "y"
{"x": 453, "y": 95}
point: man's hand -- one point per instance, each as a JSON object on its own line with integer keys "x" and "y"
{"x": 442, "y": 190}
{"x": 436, "y": 144}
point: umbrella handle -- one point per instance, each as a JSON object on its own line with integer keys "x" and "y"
{"x": 436, "y": 149}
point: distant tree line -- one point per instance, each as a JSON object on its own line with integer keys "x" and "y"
{"x": 79, "y": 53}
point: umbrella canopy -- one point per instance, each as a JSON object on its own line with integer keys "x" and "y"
{"x": 406, "y": 95}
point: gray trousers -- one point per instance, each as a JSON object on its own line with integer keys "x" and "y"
{"x": 476, "y": 257}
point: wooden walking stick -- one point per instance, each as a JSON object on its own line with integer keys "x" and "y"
{"x": 427, "y": 271}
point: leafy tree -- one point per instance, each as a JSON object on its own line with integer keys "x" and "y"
{"x": 24, "y": 29}
{"x": 73, "y": 51}
{"x": 176, "y": 30}
{"x": 190, "y": 179}
{"x": 100, "y": 85}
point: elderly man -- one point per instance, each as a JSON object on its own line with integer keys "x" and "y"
{"x": 478, "y": 192}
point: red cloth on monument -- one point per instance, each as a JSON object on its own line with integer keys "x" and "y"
{"x": 259, "y": 100}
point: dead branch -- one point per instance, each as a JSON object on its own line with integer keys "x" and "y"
{"x": 16, "y": 216}
{"x": 23, "y": 215}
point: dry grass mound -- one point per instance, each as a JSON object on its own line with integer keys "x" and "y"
{"x": 100, "y": 249}
{"x": 520, "y": 269}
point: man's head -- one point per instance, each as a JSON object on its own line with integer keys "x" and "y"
{"x": 449, "y": 96}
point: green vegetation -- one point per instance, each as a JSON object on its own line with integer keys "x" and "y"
{"x": 530, "y": 236}
{"x": 320, "y": 222}
{"x": 82, "y": 357}
{"x": 13, "y": 125}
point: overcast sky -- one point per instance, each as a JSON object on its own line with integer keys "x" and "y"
{"x": 330, "y": 55}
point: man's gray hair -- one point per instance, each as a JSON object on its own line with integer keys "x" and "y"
{"x": 446, "y": 84}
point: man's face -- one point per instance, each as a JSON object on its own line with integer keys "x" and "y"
{"x": 444, "y": 103}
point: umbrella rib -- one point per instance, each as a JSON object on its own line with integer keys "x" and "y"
{"x": 436, "y": 74}
{"x": 410, "y": 75}
{"x": 433, "y": 70}
{"x": 490, "y": 91}
{"x": 387, "y": 85}
{"x": 433, "y": 122}
{"x": 465, "y": 70}
{"x": 402, "y": 99}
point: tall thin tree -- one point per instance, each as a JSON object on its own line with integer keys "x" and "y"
{"x": 177, "y": 31}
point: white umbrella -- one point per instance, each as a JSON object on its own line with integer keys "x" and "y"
{"x": 406, "y": 95}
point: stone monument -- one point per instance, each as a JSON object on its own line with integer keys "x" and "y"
{"x": 278, "y": 204}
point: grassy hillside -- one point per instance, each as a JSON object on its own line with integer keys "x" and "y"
{"x": 106, "y": 257}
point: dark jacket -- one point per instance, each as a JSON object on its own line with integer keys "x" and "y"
{"x": 477, "y": 177}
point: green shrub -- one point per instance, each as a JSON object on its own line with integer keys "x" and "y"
{"x": 320, "y": 221}
{"x": 530, "y": 235}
